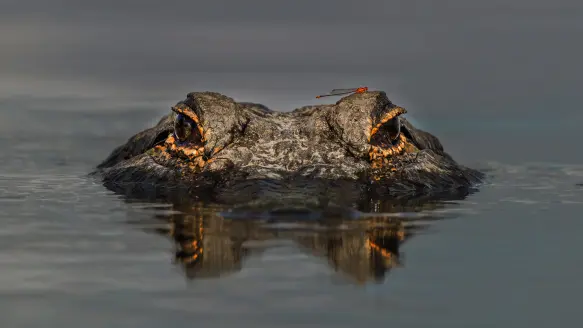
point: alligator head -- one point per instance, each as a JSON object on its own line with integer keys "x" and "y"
{"x": 212, "y": 147}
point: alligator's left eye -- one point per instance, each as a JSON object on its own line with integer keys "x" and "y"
{"x": 182, "y": 127}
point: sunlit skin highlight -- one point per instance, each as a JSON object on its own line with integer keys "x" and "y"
{"x": 394, "y": 112}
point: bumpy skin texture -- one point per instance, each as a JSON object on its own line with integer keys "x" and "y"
{"x": 323, "y": 155}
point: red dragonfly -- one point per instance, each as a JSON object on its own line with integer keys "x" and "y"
{"x": 338, "y": 92}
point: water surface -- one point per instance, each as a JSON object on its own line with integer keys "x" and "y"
{"x": 73, "y": 251}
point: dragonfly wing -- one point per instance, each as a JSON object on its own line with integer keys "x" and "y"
{"x": 336, "y": 92}
{"x": 342, "y": 91}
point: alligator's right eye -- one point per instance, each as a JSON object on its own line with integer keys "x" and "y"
{"x": 183, "y": 127}
{"x": 387, "y": 134}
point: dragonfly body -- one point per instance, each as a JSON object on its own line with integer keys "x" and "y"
{"x": 338, "y": 92}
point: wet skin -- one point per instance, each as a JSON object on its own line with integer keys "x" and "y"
{"x": 211, "y": 148}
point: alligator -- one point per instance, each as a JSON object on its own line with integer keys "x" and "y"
{"x": 212, "y": 148}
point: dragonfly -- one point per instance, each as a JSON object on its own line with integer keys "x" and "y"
{"x": 338, "y": 92}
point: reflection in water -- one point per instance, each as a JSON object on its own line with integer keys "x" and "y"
{"x": 210, "y": 243}
{"x": 363, "y": 254}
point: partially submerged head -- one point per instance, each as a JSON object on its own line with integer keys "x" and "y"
{"x": 240, "y": 152}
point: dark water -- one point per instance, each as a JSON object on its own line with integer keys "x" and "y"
{"x": 497, "y": 83}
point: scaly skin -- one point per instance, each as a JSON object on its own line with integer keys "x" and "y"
{"x": 316, "y": 156}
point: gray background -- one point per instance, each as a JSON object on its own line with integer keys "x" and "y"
{"x": 494, "y": 62}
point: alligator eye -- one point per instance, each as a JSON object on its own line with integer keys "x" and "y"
{"x": 393, "y": 128}
{"x": 387, "y": 134}
{"x": 182, "y": 127}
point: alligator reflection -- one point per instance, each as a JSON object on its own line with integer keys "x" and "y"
{"x": 210, "y": 244}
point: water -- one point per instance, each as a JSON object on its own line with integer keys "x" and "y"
{"x": 74, "y": 253}
{"x": 71, "y": 250}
